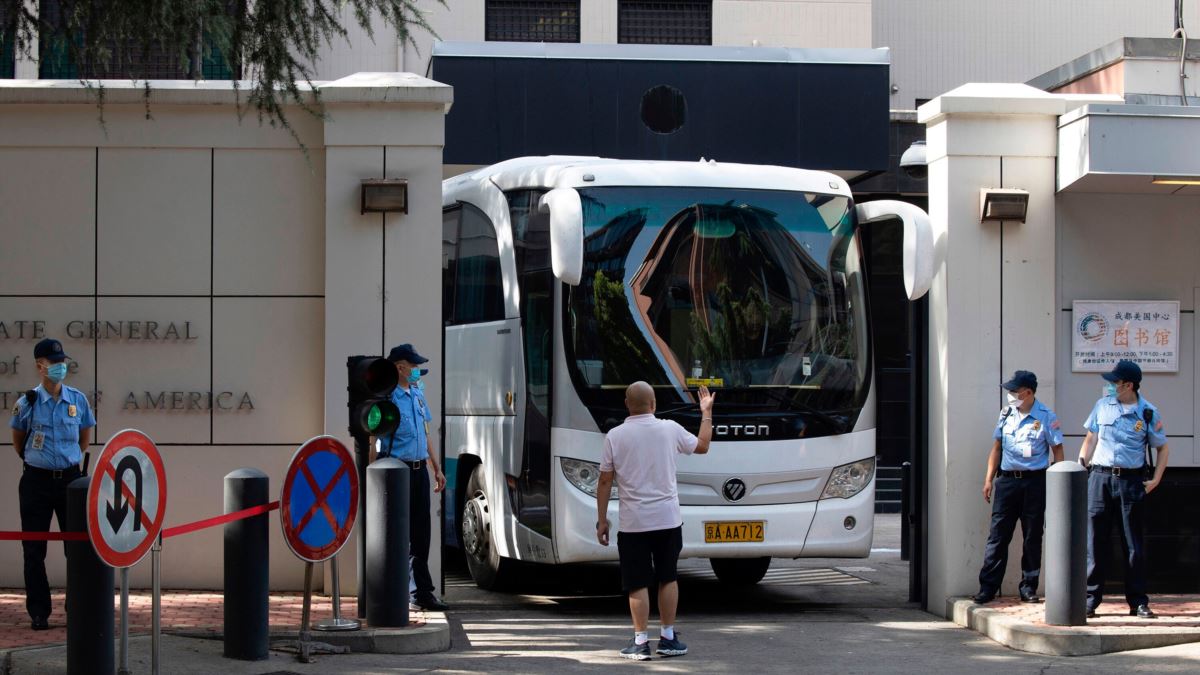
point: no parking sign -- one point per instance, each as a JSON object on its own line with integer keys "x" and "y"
{"x": 319, "y": 500}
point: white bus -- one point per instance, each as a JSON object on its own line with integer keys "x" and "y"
{"x": 568, "y": 278}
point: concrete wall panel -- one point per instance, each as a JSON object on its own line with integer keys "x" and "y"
{"x": 155, "y": 222}
{"x": 154, "y": 368}
{"x": 269, "y": 349}
{"x": 268, "y": 222}
{"x": 48, "y": 202}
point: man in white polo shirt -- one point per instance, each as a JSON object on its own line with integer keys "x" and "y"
{"x": 641, "y": 454}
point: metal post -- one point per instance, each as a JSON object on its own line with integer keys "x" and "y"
{"x": 123, "y": 669}
{"x": 337, "y": 622}
{"x": 1066, "y": 544}
{"x": 156, "y": 602}
{"x": 361, "y": 454}
{"x": 89, "y": 595}
{"x": 387, "y": 543}
{"x": 247, "y": 567}
{"x": 905, "y": 507}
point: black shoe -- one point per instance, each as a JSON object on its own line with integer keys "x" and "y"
{"x": 1143, "y": 612}
{"x": 40, "y": 624}
{"x": 637, "y": 652}
{"x": 672, "y": 647}
{"x": 430, "y": 603}
{"x": 1029, "y": 597}
{"x": 1091, "y": 613}
{"x": 983, "y": 597}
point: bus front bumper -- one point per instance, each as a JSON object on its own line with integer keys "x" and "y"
{"x": 809, "y": 529}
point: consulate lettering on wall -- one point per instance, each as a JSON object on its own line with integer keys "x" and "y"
{"x": 180, "y": 332}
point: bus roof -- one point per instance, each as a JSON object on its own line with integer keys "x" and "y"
{"x": 555, "y": 171}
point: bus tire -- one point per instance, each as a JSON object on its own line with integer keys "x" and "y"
{"x": 478, "y": 543}
{"x": 740, "y": 571}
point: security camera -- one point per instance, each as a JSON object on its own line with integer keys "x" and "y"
{"x": 912, "y": 162}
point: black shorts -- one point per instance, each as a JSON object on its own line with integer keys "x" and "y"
{"x": 648, "y": 557}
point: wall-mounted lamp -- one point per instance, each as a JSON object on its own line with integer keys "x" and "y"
{"x": 1176, "y": 180}
{"x": 1003, "y": 204}
{"x": 385, "y": 195}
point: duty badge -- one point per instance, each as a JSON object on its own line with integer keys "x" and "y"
{"x": 72, "y": 411}
{"x": 1138, "y": 427}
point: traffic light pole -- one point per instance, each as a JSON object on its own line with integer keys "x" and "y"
{"x": 361, "y": 455}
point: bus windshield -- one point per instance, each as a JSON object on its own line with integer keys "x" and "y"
{"x": 758, "y": 294}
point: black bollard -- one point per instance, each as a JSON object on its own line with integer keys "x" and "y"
{"x": 361, "y": 454}
{"x": 247, "y": 567}
{"x": 90, "y": 634}
{"x": 387, "y": 543}
{"x": 1066, "y": 544}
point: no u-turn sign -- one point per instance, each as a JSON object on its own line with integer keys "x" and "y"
{"x": 127, "y": 499}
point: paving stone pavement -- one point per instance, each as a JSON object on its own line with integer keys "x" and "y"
{"x": 188, "y": 612}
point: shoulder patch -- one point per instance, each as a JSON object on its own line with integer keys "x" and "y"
{"x": 1056, "y": 424}
{"x": 1159, "y": 426}
{"x": 17, "y": 408}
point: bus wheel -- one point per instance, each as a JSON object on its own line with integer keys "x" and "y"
{"x": 482, "y": 558}
{"x": 740, "y": 571}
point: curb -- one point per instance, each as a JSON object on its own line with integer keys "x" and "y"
{"x": 1061, "y": 641}
{"x": 433, "y": 636}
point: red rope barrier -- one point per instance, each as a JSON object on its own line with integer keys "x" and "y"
{"x": 166, "y": 533}
{"x": 219, "y": 520}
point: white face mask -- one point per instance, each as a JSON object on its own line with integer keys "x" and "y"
{"x": 1013, "y": 399}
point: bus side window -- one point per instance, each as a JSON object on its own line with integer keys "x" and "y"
{"x": 450, "y": 218}
{"x": 479, "y": 290}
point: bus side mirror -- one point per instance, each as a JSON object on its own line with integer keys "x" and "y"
{"x": 918, "y": 241}
{"x": 566, "y": 233}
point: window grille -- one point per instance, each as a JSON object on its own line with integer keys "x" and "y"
{"x": 532, "y": 21}
{"x": 155, "y": 63}
{"x": 8, "y": 49}
{"x": 664, "y": 22}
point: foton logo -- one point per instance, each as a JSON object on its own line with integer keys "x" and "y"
{"x": 742, "y": 430}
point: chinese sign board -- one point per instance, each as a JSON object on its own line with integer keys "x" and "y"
{"x": 1106, "y": 331}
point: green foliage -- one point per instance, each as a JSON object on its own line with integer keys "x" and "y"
{"x": 273, "y": 42}
{"x": 626, "y": 358}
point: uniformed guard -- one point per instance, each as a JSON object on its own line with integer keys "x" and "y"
{"x": 1026, "y": 435}
{"x": 51, "y": 427}
{"x": 1119, "y": 431}
{"x": 412, "y": 444}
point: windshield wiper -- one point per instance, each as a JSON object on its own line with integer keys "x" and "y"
{"x": 797, "y": 406}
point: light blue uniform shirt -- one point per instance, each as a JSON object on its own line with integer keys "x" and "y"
{"x": 52, "y": 427}
{"x": 1123, "y": 432}
{"x": 1026, "y": 439}
{"x": 408, "y": 442}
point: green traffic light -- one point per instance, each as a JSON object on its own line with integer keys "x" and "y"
{"x": 374, "y": 417}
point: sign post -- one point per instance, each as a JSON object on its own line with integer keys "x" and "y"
{"x": 126, "y": 503}
{"x": 318, "y": 504}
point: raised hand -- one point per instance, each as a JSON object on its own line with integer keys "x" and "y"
{"x": 706, "y": 401}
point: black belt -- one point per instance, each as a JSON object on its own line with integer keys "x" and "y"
{"x": 1027, "y": 473}
{"x": 416, "y": 464}
{"x": 57, "y": 474}
{"x": 1118, "y": 471}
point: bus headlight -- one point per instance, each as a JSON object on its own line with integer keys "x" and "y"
{"x": 848, "y": 480}
{"x": 584, "y": 475}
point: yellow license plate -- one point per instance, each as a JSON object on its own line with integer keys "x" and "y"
{"x": 731, "y": 531}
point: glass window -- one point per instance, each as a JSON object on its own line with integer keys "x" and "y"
{"x": 449, "y": 257}
{"x": 532, "y": 21}
{"x": 155, "y": 63}
{"x": 756, "y": 292}
{"x": 8, "y": 48}
{"x": 665, "y": 22}
{"x": 479, "y": 291}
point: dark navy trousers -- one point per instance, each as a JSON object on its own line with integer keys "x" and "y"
{"x": 1015, "y": 499}
{"x": 1110, "y": 497}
